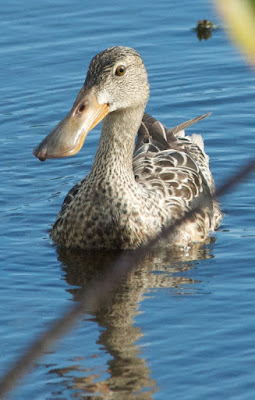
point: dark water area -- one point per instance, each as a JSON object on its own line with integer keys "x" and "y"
{"x": 181, "y": 326}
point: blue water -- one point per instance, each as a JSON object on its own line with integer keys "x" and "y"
{"x": 176, "y": 329}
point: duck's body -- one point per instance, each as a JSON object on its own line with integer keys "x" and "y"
{"x": 129, "y": 196}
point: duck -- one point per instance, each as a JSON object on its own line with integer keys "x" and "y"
{"x": 135, "y": 187}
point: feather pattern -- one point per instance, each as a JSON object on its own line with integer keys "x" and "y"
{"x": 177, "y": 169}
{"x": 132, "y": 191}
{"x": 176, "y": 163}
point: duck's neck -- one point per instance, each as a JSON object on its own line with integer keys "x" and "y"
{"x": 116, "y": 145}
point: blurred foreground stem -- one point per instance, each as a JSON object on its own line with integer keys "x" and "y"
{"x": 240, "y": 18}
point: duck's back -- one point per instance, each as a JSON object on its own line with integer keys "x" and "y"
{"x": 177, "y": 165}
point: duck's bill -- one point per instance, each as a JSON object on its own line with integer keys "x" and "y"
{"x": 68, "y": 136}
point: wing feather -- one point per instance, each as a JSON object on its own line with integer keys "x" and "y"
{"x": 174, "y": 164}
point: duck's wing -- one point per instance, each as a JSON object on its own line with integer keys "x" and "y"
{"x": 154, "y": 136}
{"x": 175, "y": 164}
{"x": 152, "y": 128}
{"x": 194, "y": 146}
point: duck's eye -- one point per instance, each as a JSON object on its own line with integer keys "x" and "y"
{"x": 120, "y": 70}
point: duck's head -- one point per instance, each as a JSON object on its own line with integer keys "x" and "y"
{"x": 116, "y": 80}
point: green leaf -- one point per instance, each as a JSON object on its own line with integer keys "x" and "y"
{"x": 252, "y": 4}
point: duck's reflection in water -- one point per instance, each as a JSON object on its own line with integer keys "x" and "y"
{"x": 130, "y": 377}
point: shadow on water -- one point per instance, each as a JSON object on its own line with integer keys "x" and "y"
{"x": 130, "y": 376}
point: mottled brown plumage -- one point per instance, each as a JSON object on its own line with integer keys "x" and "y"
{"x": 129, "y": 195}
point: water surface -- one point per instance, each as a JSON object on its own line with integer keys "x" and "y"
{"x": 178, "y": 327}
